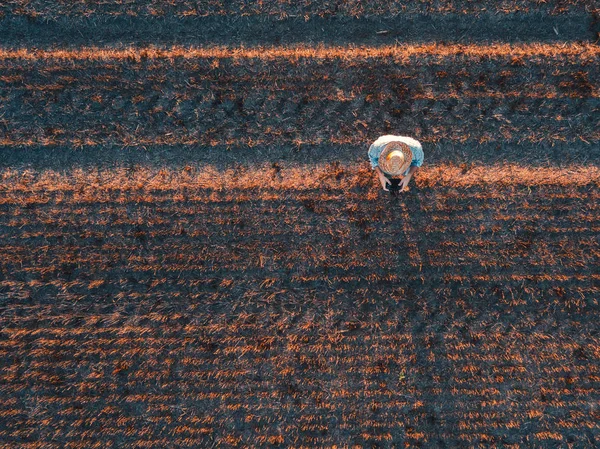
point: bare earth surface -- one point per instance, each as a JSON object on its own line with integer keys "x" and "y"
{"x": 194, "y": 251}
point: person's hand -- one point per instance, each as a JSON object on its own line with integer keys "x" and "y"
{"x": 404, "y": 183}
{"x": 383, "y": 179}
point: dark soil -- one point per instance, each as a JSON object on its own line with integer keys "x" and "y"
{"x": 143, "y": 314}
{"x": 257, "y": 30}
{"x": 311, "y": 315}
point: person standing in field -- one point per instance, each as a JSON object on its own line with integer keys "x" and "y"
{"x": 395, "y": 159}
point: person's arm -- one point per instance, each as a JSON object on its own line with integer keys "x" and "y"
{"x": 373, "y": 157}
{"x": 406, "y": 179}
{"x": 417, "y": 161}
{"x": 374, "y": 160}
{"x": 374, "y": 153}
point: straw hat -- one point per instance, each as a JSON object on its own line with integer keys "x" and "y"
{"x": 395, "y": 158}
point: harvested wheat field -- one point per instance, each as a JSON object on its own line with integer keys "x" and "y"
{"x": 195, "y": 251}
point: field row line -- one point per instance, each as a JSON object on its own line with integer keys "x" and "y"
{"x": 194, "y": 334}
{"x": 301, "y": 221}
{"x": 298, "y": 226}
{"x": 222, "y": 381}
{"x": 132, "y": 240}
{"x": 204, "y": 263}
{"x": 500, "y": 133}
{"x": 164, "y": 207}
{"x": 226, "y": 284}
{"x": 339, "y": 273}
{"x": 528, "y": 92}
{"x": 24, "y": 211}
{"x": 216, "y": 324}
{"x": 315, "y": 176}
{"x": 300, "y": 331}
{"x": 262, "y": 297}
{"x": 203, "y": 358}
{"x": 230, "y": 396}
{"x": 321, "y": 343}
{"x": 349, "y": 52}
{"x": 204, "y": 334}
{"x": 207, "y": 373}
{"x": 46, "y": 238}
{"x": 87, "y": 196}
{"x": 204, "y": 256}
{"x": 328, "y": 355}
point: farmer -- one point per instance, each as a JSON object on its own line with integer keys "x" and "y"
{"x": 395, "y": 159}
